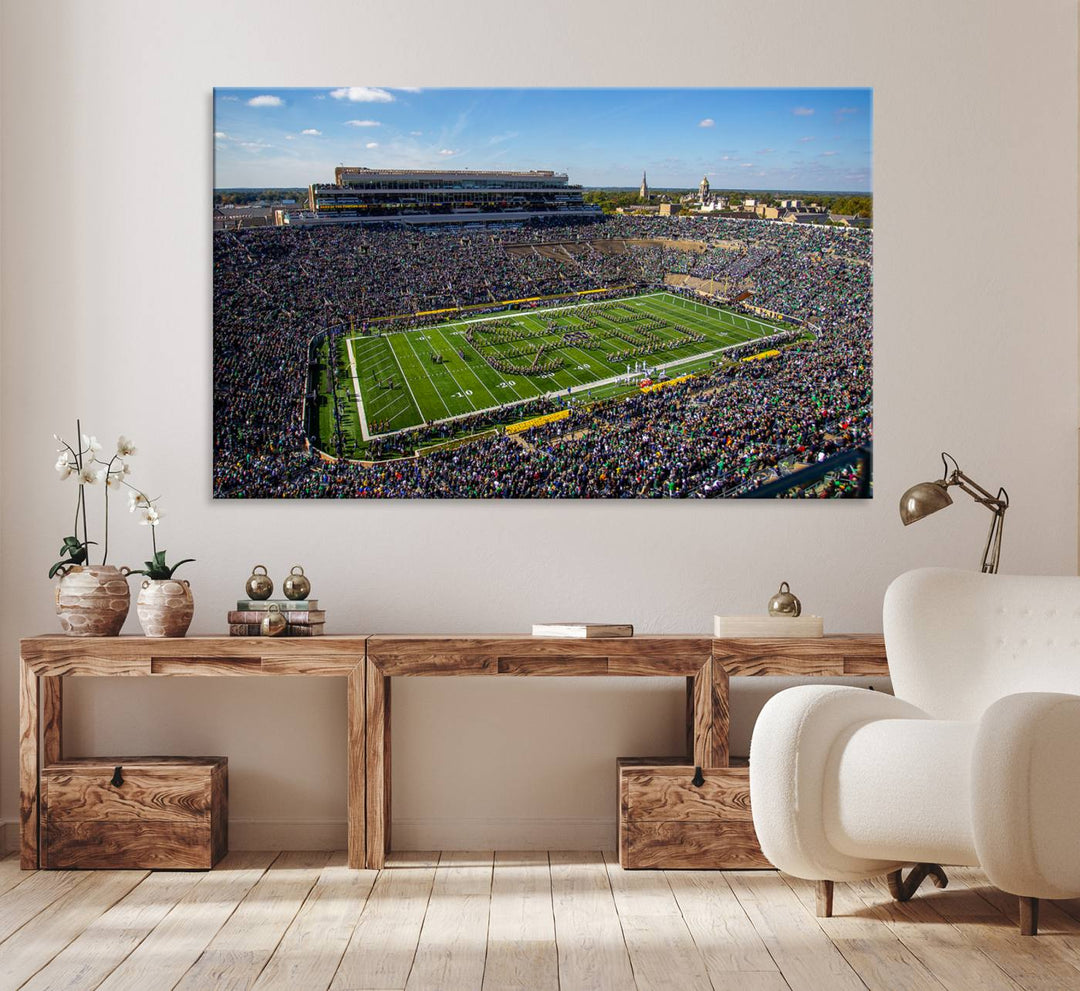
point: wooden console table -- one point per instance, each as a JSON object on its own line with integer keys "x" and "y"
{"x": 368, "y": 664}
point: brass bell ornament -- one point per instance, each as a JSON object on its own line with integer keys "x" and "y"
{"x": 296, "y": 585}
{"x": 274, "y": 622}
{"x": 260, "y": 585}
{"x": 785, "y": 602}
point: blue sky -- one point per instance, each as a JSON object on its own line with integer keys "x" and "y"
{"x": 742, "y": 138}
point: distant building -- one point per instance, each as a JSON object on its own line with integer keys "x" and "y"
{"x": 806, "y": 215}
{"x": 703, "y": 190}
{"x": 643, "y": 193}
{"x": 433, "y": 196}
{"x": 791, "y": 204}
{"x": 669, "y": 210}
{"x": 846, "y": 221}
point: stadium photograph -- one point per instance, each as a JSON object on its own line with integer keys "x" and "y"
{"x": 542, "y": 293}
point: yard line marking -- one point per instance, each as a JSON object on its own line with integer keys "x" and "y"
{"x": 405, "y": 379}
{"x": 483, "y": 385}
{"x": 438, "y": 391}
{"x": 356, "y": 388}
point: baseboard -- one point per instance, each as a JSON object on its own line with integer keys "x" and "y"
{"x": 489, "y": 833}
{"x": 406, "y": 834}
{"x": 9, "y": 836}
{"x": 483, "y": 833}
{"x": 287, "y": 834}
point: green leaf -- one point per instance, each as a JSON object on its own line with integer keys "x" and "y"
{"x": 187, "y": 560}
{"x": 56, "y": 567}
{"x": 159, "y": 558}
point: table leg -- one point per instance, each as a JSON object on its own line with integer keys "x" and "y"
{"x": 721, "y": 715}
{"x": 29, "y": 776}
{"x": 710, "y": 715}
{"x": 52, "y": 719}
{"x": 356, "y": 815}
{"x": 378, "y": 765}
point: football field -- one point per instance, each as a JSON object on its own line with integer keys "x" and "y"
{"x": 394, "y": 381}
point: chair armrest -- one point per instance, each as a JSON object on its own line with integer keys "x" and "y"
{"x": 1026, "y": 794}
{"x": 789, "y": 755}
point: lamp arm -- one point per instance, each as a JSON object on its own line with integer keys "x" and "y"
{"x": 998, "y": 503}
{"x": 992, "y": 551}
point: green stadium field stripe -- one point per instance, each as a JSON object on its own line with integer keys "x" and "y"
{"x": 405, "y": 378}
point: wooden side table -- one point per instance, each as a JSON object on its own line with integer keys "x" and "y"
{"x": 47, "y": 660}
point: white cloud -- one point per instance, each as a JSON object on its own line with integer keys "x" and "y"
{"x": 231, "y": 99}
{"x": 372, "y": 144}
{"x": 416, "y": 134}
{"x": 828, "y": 154}
{"x": 726, "y": 158}
{"x": 447, "y": 151}
{"x": 803, "y": 111}
{"x": 746, "y": 165}
{"x": 312, "y": 132}
{"x": 362, "y": 123}
{"x": 807, "y": 138}
{"x": 255, "y": 146}
{"x": 290, "y": 137}
{"x": 266, "y": 101}
{"x": 409, "y": 89}
{"x": 707, "y": 122}
{"x": 498, "y": 139}
{"x": 220, "y": 134}
{"x": 362, "y": 94}
{"x": 765, "y": 151}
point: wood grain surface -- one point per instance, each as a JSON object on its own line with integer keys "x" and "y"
{"x": 178, "y": 789}
{"x": 667, "y": 793}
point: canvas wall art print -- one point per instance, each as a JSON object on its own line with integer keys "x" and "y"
{"x": 542, "y": 293}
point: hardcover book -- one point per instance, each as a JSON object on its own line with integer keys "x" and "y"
{"x": 255, "y": 630}
{"x": 285, "y": 605}
{"x": 582, "y": 630}
{"x": 294, "y": 617}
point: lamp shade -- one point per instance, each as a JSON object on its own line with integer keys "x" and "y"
{"x": 922, "y": 500}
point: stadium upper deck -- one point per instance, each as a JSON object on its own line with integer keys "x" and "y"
{"x": 360, "y": 194}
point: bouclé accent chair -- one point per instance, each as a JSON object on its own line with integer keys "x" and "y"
{"x": 974, "y": 762}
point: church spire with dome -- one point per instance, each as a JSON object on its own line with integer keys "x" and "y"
{"x": 643, "y": 193}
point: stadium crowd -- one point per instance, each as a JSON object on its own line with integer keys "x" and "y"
{"x": 717, "y": 434}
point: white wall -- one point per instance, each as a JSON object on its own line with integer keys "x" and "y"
{"x": 106, "y": 314}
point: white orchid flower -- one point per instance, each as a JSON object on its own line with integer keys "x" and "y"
{"x": 136, "y": 500}
{"x": 90, "y": 474}
{"x": 124, "y": 447}
{"x": 65, "y": 466}
{"x": 115, "y": 480}
{"x": 150, "y": 517}
{"x": 90, "y": 445}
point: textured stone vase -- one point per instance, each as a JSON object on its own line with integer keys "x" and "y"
{"x": 165, "y": 607}
{"x": 93, "y": 600}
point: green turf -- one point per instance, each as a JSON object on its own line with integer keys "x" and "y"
{"x": 424, "y": 391}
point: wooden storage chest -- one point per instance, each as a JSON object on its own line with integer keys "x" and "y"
{"x": 668, "y": 821}
{"x": 162, "y": 813}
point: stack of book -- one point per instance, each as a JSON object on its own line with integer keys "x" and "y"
{"x": 303, "y": 617}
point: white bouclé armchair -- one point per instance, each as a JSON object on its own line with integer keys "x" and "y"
{"x": 975, "y": 761}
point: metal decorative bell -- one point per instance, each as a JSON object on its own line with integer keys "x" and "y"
{"x": 784, "y": 603}
{"x": 296, "y": 586}
{"x": 273, "y": 623}
{"x": 260, "y": 585}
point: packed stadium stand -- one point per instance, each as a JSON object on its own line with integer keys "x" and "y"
{"x": 720, "y": 433}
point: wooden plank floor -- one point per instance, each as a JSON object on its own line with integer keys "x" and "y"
{"x": 512, "y": 921}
